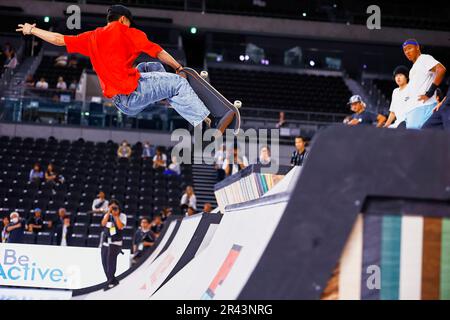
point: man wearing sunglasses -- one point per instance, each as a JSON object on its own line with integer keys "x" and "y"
{"x": 113, "y": 223}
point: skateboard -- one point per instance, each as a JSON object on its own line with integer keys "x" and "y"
{"x": 217, "y": 104}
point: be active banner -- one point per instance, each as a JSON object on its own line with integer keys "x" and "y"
{"x": 54, "y": 267}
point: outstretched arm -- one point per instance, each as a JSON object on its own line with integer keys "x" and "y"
{"x": 166, "y": 58}
{"x": 52, "y": 37}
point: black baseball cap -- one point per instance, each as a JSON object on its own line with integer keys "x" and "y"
{"x": 121, "y": 10}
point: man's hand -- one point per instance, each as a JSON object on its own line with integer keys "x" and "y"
{"x": 181, "y": 73}
{"x": 25, "y": 28}
{"x": 439, "y": 105}
{"x": 423, "y": 98}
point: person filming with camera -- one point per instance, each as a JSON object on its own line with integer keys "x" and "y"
{"x": 113, "y": 223}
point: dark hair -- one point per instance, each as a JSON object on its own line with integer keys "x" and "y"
{"x": 112, "y": 17}
{"x": 146, "y": 219}
{"x": 37, "y": 164}
{"x": 114, "y": 201}
{"x": 66, "y": 217}
{"x": 300, "y": 137}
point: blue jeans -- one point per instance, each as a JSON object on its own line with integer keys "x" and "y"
{"x": 155, "y": 84}
{"x": 440, "y": 119}
{"x": 416, "y": 118}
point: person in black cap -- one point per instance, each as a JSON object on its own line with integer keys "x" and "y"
{"x": 361, "y": 116}
{"x": 398, "y": 108}
{"x": 113, "y": 223}
{"x": 112, "y": 50}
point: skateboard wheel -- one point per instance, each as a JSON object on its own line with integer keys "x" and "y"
{"x": 204, "y": 74}
{"x": 237, "y": 104}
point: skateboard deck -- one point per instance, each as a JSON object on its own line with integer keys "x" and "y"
{"x": 216, "y": 103}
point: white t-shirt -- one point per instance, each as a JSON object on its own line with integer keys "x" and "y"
{"x": 163, "y": 157}
{"x": 398, "y": 105}
{"x": 420, "y": 80}
{"x": 104, "y": 206}
{"x": 123, "y": 219}
{"x": 61, "y": 85}
{"x": 42, "y": 85}
{"x": 192, "y": 201}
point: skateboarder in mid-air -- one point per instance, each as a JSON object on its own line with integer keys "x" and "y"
{"x": 112, "y": 50}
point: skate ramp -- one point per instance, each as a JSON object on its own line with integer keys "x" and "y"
{"x": 162, "y": 264}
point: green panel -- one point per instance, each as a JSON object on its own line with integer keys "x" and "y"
{"x": 390, "y": 257}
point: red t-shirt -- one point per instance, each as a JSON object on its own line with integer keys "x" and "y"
{"x": 112, "y": 50}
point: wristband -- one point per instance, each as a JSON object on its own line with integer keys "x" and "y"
{"x": 31, "y": 29}
{"x": 178, "y": 69}
{"x": 431, "y": 91}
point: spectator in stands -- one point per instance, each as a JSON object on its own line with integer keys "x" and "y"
{"x": 100, "y": 204}
{"x": 63, "y": 232}
{"x": 165, "y": 213}
{"x": 234, "y": 162}
{"x": 299, "y": 155}
{"x": 207, "y": 208}
{"x": 42, "y": 84}
{"x": 29, "y": 81}
{"x": 51, "y": 176}
{"x": 148, "y": 151}
{"x": 188, "y": 199}
{"x": 397, "y": 110}
{"x": 73, "y": 62}
{"x": 281, "y": 121}
{"x": 265, "y": 156}
{"x": 219, "y": 157}
{"x": 157, "y": 225}
{"x": 124, "y": 150}
{"x": 143, "y": 239}
{"x": 361, "y": 116}
{"x": 61, "y": 84}
{"x": 61, "y": 60}
{"x": 15, "y": 228}
{"x": 5, "y": 234}
{"x": 425, "y": 76}
{"x": 35, "y": 223}
{"x": 11, "y": 60}
{"x": 73, "y": 85}
{"x": 36, "y": 174}
{"x": 113, "y": 223}
{"x": 59, "y": 220}
{"x": 159, "y": 160}
{"x": 190, "y": 211}
{"x": 174, "y": 168}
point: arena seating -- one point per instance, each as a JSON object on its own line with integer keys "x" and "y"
{"x": 272, "y": 92}
{"x": 397, "y": 14}
{"x": 51, "y": 73}
{"x": 87, "y": 167}
{"x": 385, "y": 86}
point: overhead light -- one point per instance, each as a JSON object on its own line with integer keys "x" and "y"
{"x": 241, "y": 57}
{"x": 46, "y": 19}
{"x": 193, "y": 30}
{"x": 246, "y": 57}
{"x": 312, "y": 63}
{"x": 304, "y": 14}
